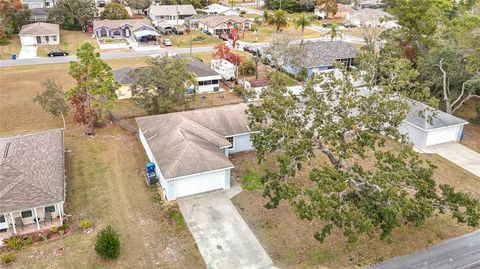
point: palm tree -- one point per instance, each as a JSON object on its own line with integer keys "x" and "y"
{"x": 278, "y": 19}
{"x": 303, "y": 21}
{"x": 334, "y": 32}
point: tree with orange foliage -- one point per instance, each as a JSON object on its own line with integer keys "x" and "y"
{"x": 13, "y": 15}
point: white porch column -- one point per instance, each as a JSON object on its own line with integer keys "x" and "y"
{"x": 59, "y": 211}
{"x": 36, "y": 218}
{"x": 13, "y": 223}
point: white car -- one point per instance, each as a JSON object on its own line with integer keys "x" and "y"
{"x": 167, "y": 42}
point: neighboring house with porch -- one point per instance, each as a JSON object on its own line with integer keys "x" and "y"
{"x": 217, "y": 25}
{"x": 323, "y": 55}
{"x": 39, "y": 34}
{"x": 217, "y": 9}
{"x": 173, "y": 14}
{"x": 32, "y": 185}
{"x": 371, "y": 17}
{"x": 39, "y": 3}
{"x": 190, "y": 149}
{"x": 134, "y": 30}
{"x": 39, "y": 14}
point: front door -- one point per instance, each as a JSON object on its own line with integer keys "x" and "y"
{"x": 126, "y": 32}
{"x": 39, "y": 40}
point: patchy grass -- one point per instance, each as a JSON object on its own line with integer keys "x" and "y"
{"x": 14, "y": 47}
{"x": 265, "y": 33}
{"x": 104, "y": 184}
{"x": 290, "y": 242}
{"x": 70, "y": 41}
{"x": 198, "y": 39}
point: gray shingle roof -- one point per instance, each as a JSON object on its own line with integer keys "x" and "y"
{"x": 428, "y": 118}
{"x": 31, "y": 170}
{"x": 115, "y": 24}
{"x": 40, "y": 28}
{"x": 171, "y": 10}
{"x": 199, "y": 68}
{"x": 121, "y": 75}
{"x": 189, "y": 142}
{"x": 324, "y": 53}
{"x": 214, "y": 21}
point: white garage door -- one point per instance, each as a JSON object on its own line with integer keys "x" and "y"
{"x": 28, "y": 40}
{"x": 443, "y": 135}
{"x": 201, "y": 183}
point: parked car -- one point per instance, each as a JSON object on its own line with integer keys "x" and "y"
{"x": 54, "y": 53}
{"x": 101, "y": 3}
{"x": 248, "y": 49}
{"x": 349, "y": 25}
{"x": 177, "y": 30}
{"x": 167, "y": 42}
{"x": 326, "y": 24}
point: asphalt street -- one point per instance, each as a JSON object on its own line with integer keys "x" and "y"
{"x": 458, "y": 253}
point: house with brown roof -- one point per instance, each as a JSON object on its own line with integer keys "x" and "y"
{"x": 40, "y": 33}
{"x": 118, "y": 33}
{"x": 32, "y": 185}
{"x": 218, "y": 25}
{"x": 190, "y": 148}
{"x": 172, "y": 14}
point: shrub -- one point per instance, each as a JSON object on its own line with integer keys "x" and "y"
{"x": 85, "y": 224}
{"x": 54, "y": 229}
{"x": 199, "y": 38}
{"x": 177, "y": 217}
{"x": 14, "y": 243}
{"x": 243, "y": 12}
{"x": 8, "y": 258}
{"x": 238, "y": 90}
{"x": 28, "y": 241}
{"x": 107, "y": 244}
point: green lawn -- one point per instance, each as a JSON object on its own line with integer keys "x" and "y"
{"x": 198, "y": 39}
{"x": 264, "y": 33}
{"x": 69, "y": 41}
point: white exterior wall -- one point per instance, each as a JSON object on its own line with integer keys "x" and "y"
{"x": 417, "y": 136}
{"x": 211, "y": 87}
{"x": 151, "y": 158}
{"x": 241, "y": 143}
{"x": 32, "y": 40}
{"x": 444, "y": 135}
{"x": 199, "y": 183}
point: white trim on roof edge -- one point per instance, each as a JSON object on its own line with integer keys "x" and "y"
{"x": 201, "y": 173}
{"x": 439, "y": 128}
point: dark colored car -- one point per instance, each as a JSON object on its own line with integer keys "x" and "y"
{"x": 248, "y": 49}
{"x": 101, "y": 3}
{"x": 326, "y": 24}
{"x": 54, "y": 53}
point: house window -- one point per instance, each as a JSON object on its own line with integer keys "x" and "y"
{"x": 54, "y": 38}
{"x": 215, "y": 81}
{"x": 230, "y": 139}
{"x": 50, "y": 208}
{"x": 116, "y": 33}
{"x": 103, "y": 32}
{"x": 27, "y": 214}
{"x": 2, "y": 218}
{"x": 47, "y": 39}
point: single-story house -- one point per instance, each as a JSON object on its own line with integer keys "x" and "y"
{"x": 136, "y": 28}
{"x": 173, "y": 14}
{"x": 254, "y": 88}
{"x": 39, "y": 14}
{"x": 370, "y": 17}
{"x": 190, "y": 149}
{"x": 217, "y": 25}
{"x": 368, "y": 4}
{"x": 322, "y": 55}
{"x": 218, "y": 9}
{"x": 343, "y": 12}
{"x": 426, "y": 126}
{"x": 208, "y": 80}
{"x": 32, "y": 185}
{"x": 40, "y": 33}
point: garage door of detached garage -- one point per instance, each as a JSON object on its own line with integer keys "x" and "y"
{"x": 444, "y": 135}
{"x": 201, "y": 183}
{"x": 27, "y": 40}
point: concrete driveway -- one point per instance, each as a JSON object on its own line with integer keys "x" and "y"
{"x": 459, "y": 155}
{"x": 222, "y": 236}
{"x": 27, "y": 52}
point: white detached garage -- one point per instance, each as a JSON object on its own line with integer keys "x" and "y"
{"x": 190, "y": 148}
{"x": 426, "y": 126}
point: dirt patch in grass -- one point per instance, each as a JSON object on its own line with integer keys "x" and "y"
{"x": 198, "y": 39}
{"x": 290, "y": 243}
{"x": 472, "y": 130}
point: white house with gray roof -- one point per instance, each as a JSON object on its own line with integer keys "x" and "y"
{"x": 323, "y": 55}
{"x": 190, "y": 149}
{"x": 173, "y": 14}
{"x": 32, "y": 185}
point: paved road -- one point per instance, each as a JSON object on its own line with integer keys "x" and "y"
{"x": 458, "y": 253}
{"x": 108, "y": 55}
{"x": 459, "y": 155}
{"x": 222, "y": 236}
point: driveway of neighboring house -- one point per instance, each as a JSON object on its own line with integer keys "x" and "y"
{"x": 222, "y": 236}
{"x": 27, "y": 52}
{"x": 459, "y": 155}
